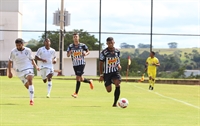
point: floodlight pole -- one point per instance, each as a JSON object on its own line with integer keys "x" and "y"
{"x": 151, "y": 25}
{"x": 45, "y": 19}
{"x": 61, "y": 44}
{"x": 99, "y": 27}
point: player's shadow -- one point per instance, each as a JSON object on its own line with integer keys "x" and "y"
{"x": 8, "y": 104}
{"x": 93, "y": 106}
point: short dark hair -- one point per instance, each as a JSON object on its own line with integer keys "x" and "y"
{"x": 46, "y": 39}
{"x": 75, "y": 33}
{"x": 109, "y": 39}
{"x": 19, "y": 40}
{"x": 153, "y": 52}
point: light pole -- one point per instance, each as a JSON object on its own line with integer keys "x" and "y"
{"x": 151, "y": 25}
{"x": 61, "y": 43}
{"x": 61, "y": 18}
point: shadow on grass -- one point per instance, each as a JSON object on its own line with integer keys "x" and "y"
{"x": 87, "y": 106}
{"x": 8, "y": 104}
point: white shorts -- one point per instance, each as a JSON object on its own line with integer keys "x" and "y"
{"x": 23, "y": 74}
{"x": 45, "y": 72}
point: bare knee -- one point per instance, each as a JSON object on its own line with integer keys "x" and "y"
{"x": 109, "y": 88}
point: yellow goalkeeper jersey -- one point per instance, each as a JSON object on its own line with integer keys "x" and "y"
{"x": 150, "y": 62}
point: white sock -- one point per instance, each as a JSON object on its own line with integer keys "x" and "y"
{"x": 31, "y": 91}
{"x": 49, "y": 86}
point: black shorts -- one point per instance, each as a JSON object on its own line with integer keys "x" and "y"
{"x": 79, "y": 70}
{"x": 108, "y": 78}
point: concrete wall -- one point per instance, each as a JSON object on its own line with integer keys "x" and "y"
{"x": 10, "y": 19}
{"x": 90, "y": 68}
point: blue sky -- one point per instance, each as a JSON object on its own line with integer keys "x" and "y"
{"x": 124, "y": 16}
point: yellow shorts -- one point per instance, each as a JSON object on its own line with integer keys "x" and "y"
{"x": 152, "y": 74}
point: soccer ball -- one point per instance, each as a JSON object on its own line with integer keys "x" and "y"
{"x": 123, "y": 103}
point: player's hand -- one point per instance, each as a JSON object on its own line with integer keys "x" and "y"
{"x": 119, "y": 67}
{"x": 85, "y": 54}
{"x": 70, "y": 52}
{"x": 101, "y": 79}
{"x": 37, "y": 68}
{"x": 54, "y": 61}
{"x": 10, "y": 75}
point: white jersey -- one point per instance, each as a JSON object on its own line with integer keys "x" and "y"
{"x": 22, "y": 60}
{"x": 47, "y": 55}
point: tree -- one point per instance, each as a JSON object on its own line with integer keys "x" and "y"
{"x": 85, "y": 37}
{"x": 141, "y": 45}
{"x": 31, "y": 43}
{"x": 125, "y": 45}
{"x": 172, "y": 45}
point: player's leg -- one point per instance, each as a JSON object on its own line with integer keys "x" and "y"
{"x": 43, "y": 75}
{"x": 83, "y": 79}
{"x": 29, "y": 83}
{"x": 78, "y": 81}
{"x": 49, "y": 78}
{"x": 116, "y": 81}
{"x": 153, "y": 79}
{"x": 150, "y": 79}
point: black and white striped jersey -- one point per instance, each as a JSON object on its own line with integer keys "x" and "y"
{"x": 77, "y": 53}
{"x": 111, "y": 60}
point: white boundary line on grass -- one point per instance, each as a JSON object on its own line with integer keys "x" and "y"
{"x": 174, "y": 99}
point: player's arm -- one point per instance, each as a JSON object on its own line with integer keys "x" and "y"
{"x": 54, "y": 60}
{"x": 101, "y": 64}
{"x": 69, "y": 52}
{"x": 35, "y": 65}
{"x": 40, "y": 59}
{"x": 10, "y": 63}
{"x": 157, "y": 63}
{"x": 101, "y": 68}
{"x": 86, "y": 50}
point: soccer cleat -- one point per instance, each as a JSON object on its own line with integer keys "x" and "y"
{"x": 75, "y": 95}
{"x": 114, "y": 105}
{"x": 91, "y": 84}
{"x": 149, "y": 87}
{"x": 31, "y": 102}
{"x": 48, "y": 95}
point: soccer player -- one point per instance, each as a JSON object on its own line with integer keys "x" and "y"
{"x": 152, "y": 62}
{"x": 47, "y": 56}
{"x": 109, "y": 69}
{"x": 22, "y": 60}
{"x": 78, "y": 51}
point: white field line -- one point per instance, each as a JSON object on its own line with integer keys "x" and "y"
{"x": 171, "y": 98}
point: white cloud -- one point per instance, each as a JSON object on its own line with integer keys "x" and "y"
{"x": 129, "y": 16}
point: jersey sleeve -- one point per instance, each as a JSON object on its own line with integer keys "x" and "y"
{"x": 54, "y": 54}
{"x": 38, "y": 53}
{"x": 157, "y": 61}
{"x": 102, "y": 56}
{"x": 69, "y": 48}
{"x": 30, "y": 56}
{"x": 85, "y": 48}
{"x": 11, "y": 57}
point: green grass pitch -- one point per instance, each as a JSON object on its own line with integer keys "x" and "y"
{"x": 167, "y": 105}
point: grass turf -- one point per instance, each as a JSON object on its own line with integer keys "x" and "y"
{"x": 167, "y": 105}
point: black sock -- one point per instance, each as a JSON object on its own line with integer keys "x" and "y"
{"x": 116, "y": 95}
{"x": 86, "y": 80}
{"x": 78, "y": 83}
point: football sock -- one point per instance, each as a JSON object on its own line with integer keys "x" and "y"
{"x": 150, "y": 82}
{"x": 31, "y": 91}
{"x": 153, "y": 82}
{"x": 116, "y": 95}
{"x": 78, "y": 83}
{"x": 86, "y": 80}
{"x": 49, "y": 86}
